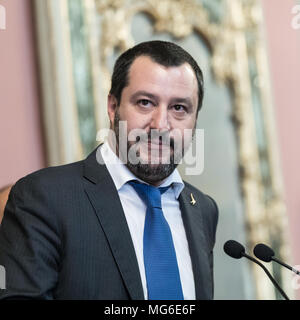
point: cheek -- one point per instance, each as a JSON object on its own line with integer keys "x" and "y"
{"x": 180, "y": 127}
{"x": 134, "y": 119}
{"x": 132, "y": 124}
{"x": 183, "y": 133}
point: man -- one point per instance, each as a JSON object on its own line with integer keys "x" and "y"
{"x": 108, "y": 227}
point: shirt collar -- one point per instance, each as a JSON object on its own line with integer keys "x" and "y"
{"x": 121, "y": 174}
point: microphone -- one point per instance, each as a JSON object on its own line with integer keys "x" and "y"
{"x": 265, "y": 253}
{"x": 236, "y": 250}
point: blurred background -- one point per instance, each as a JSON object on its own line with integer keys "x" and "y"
{"x": 56, "y": 58}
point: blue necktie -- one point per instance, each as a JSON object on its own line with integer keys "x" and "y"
{"x": 162, "y": 274}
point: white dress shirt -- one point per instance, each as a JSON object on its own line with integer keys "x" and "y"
{"x": 135, "y": 212}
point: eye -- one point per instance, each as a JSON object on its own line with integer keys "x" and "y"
{"x": 144, "y": 102}
{"x": 179, "y": 108}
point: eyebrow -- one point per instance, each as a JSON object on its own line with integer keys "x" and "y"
{"x": 187, "y": 100}
{"x": 143, "y": 93}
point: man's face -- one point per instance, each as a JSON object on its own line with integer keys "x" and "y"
{"x": 161, "y": 101}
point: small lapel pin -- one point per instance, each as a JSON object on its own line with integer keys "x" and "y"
{"x": 193, "y": 201}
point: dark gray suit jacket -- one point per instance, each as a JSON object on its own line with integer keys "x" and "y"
{"x": 64, "y": 235}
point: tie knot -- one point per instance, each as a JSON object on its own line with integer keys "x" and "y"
{"x": 149, "y": 194}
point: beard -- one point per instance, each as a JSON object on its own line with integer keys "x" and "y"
{"x": 149, "y": 172}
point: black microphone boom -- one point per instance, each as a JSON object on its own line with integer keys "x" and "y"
{"x": 236, "y": 250}
{"x": 265, "y": 253}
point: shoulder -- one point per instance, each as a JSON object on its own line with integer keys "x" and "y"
{"x": 44, "y": 197}
{"x": 205, "y": 200}
{"x": 55, "y": 173}
{"x": 50, "y": 180}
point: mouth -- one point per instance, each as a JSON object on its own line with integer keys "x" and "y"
{"x": 154, "y": 152}
{"x": 156, "y": 147}
{"x": 157, "y": 144}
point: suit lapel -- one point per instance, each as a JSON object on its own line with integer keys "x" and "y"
{"x": 193, "y": 223}
{"x": 104, "y": 197}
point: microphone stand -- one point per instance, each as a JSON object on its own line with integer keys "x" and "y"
{"x": 268, "y": 274}
{"x": 286, "y": 265}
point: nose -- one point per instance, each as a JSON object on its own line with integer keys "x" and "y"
{"x": 160, "y": 120}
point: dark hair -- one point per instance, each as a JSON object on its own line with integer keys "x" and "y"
{"x": 165, "y": 53}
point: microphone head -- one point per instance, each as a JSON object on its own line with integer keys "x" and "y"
{"x": 263, "y": 252}
{"x": 234, "y": 249}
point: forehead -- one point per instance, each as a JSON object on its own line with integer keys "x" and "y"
{"x": 146, "y": 72}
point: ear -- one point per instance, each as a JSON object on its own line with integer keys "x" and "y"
{"x": 112, "y": 105}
